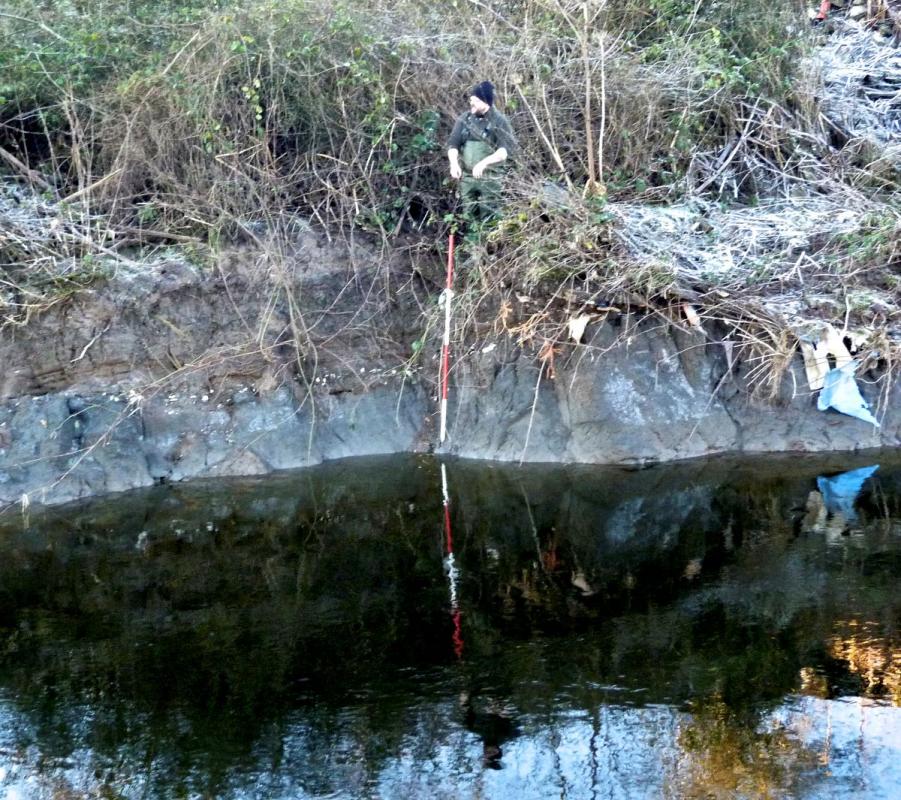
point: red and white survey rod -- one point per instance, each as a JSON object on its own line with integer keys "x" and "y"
{"x": 450, "y": 563}
{"x": 445, "y": 347}
{"x": 453, "y": 575}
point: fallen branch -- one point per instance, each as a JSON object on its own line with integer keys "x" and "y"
{"x": 31, "y": 175}
{"x": 731, "y": 153}
{"x": 145, "y": 234}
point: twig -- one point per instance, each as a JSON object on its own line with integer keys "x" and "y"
{"x": 36, "y": 22}
{"x": 735, "y": 149}
{"x": 555, "y": 153}
{"x": 86, "y": 190}
{"x": 90, "y": 343}
{"x": 525, "y": 446}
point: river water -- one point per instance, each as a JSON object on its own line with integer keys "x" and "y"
{"x": 710, "y": 630}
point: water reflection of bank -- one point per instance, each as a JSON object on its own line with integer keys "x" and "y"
{"x": 309, "y": 616}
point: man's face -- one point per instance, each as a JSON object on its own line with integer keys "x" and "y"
{"x": 478, "y": 107}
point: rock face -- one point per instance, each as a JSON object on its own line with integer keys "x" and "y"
{"x": 174, "y": 372}
{"x": 645, "y": 395}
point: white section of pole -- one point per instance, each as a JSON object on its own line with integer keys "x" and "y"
{"x": 443, "y": 434}
{"x": 447, "y": 298}
{"x": 444, "y": 492}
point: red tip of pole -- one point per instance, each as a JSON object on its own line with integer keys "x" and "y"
{"x": 457, "y": 635}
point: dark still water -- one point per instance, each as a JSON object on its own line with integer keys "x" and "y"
{"x": 715, "y": 630}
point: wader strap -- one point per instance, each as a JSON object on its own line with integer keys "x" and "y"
{"x": 478, "y": 133}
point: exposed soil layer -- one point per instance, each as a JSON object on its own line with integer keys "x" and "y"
{"x": 175, "y": 372}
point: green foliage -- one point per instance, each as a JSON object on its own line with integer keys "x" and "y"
{"x": 74, "y": 47}
{"x": 874, "y": 245}
{"x": 219, "y": 114}
{"x": 720, "y": 59}
{"x": 736, "y": 46}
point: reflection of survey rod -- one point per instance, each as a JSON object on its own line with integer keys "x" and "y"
{"x": 452, "y": 573}
{"x": 446, "y": 297}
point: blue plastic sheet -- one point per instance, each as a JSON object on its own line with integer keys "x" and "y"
{"x": 841, "y": 393}
{"x": 840, "y": 491}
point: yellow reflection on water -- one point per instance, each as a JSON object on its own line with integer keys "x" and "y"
{"x": 870, "y": 654}
{"x": 726, "y": 755}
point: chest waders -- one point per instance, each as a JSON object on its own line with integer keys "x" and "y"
{"x": 481, "y": 196}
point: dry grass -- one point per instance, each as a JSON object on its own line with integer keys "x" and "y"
{"x": 338, "y": 112}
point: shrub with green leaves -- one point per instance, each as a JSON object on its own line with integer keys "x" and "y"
{"x": 69, "y": 47}
{"x": 211, "y": 116}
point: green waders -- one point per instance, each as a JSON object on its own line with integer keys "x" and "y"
{"x": 481, "y": 196}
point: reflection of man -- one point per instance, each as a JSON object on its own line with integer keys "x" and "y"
{"x": 485, "y": 140}
{"x": 492, "y": 723}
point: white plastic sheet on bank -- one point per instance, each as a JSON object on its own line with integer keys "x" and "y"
{"x": 841, "y": 393}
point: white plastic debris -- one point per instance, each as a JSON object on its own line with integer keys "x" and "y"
{"x": 692, "y": 316}
{"x": 841, "y": 393}
{"x": 577, "y": 326}
{"x": 816, "y": 354}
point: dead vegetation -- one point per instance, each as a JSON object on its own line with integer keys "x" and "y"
{"x": 680, "y": 159}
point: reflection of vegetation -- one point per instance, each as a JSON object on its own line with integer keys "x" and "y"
{"x": 871, "y": 655}
{"x": 195, "y": 621}
{"x": 728, "y": 756}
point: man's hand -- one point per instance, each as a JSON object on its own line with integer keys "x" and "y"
{"x": 496, "y": 157}
{"x": 453, "y": 156}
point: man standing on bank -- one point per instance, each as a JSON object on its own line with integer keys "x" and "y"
{"x": 485, "y": 140}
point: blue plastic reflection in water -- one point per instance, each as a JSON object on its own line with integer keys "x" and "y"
{"x": 840, "y": 491}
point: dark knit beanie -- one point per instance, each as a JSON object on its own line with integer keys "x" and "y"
{"x": 484, "y": 91}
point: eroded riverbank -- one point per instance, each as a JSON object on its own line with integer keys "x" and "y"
{"x": 175, "y": 373}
